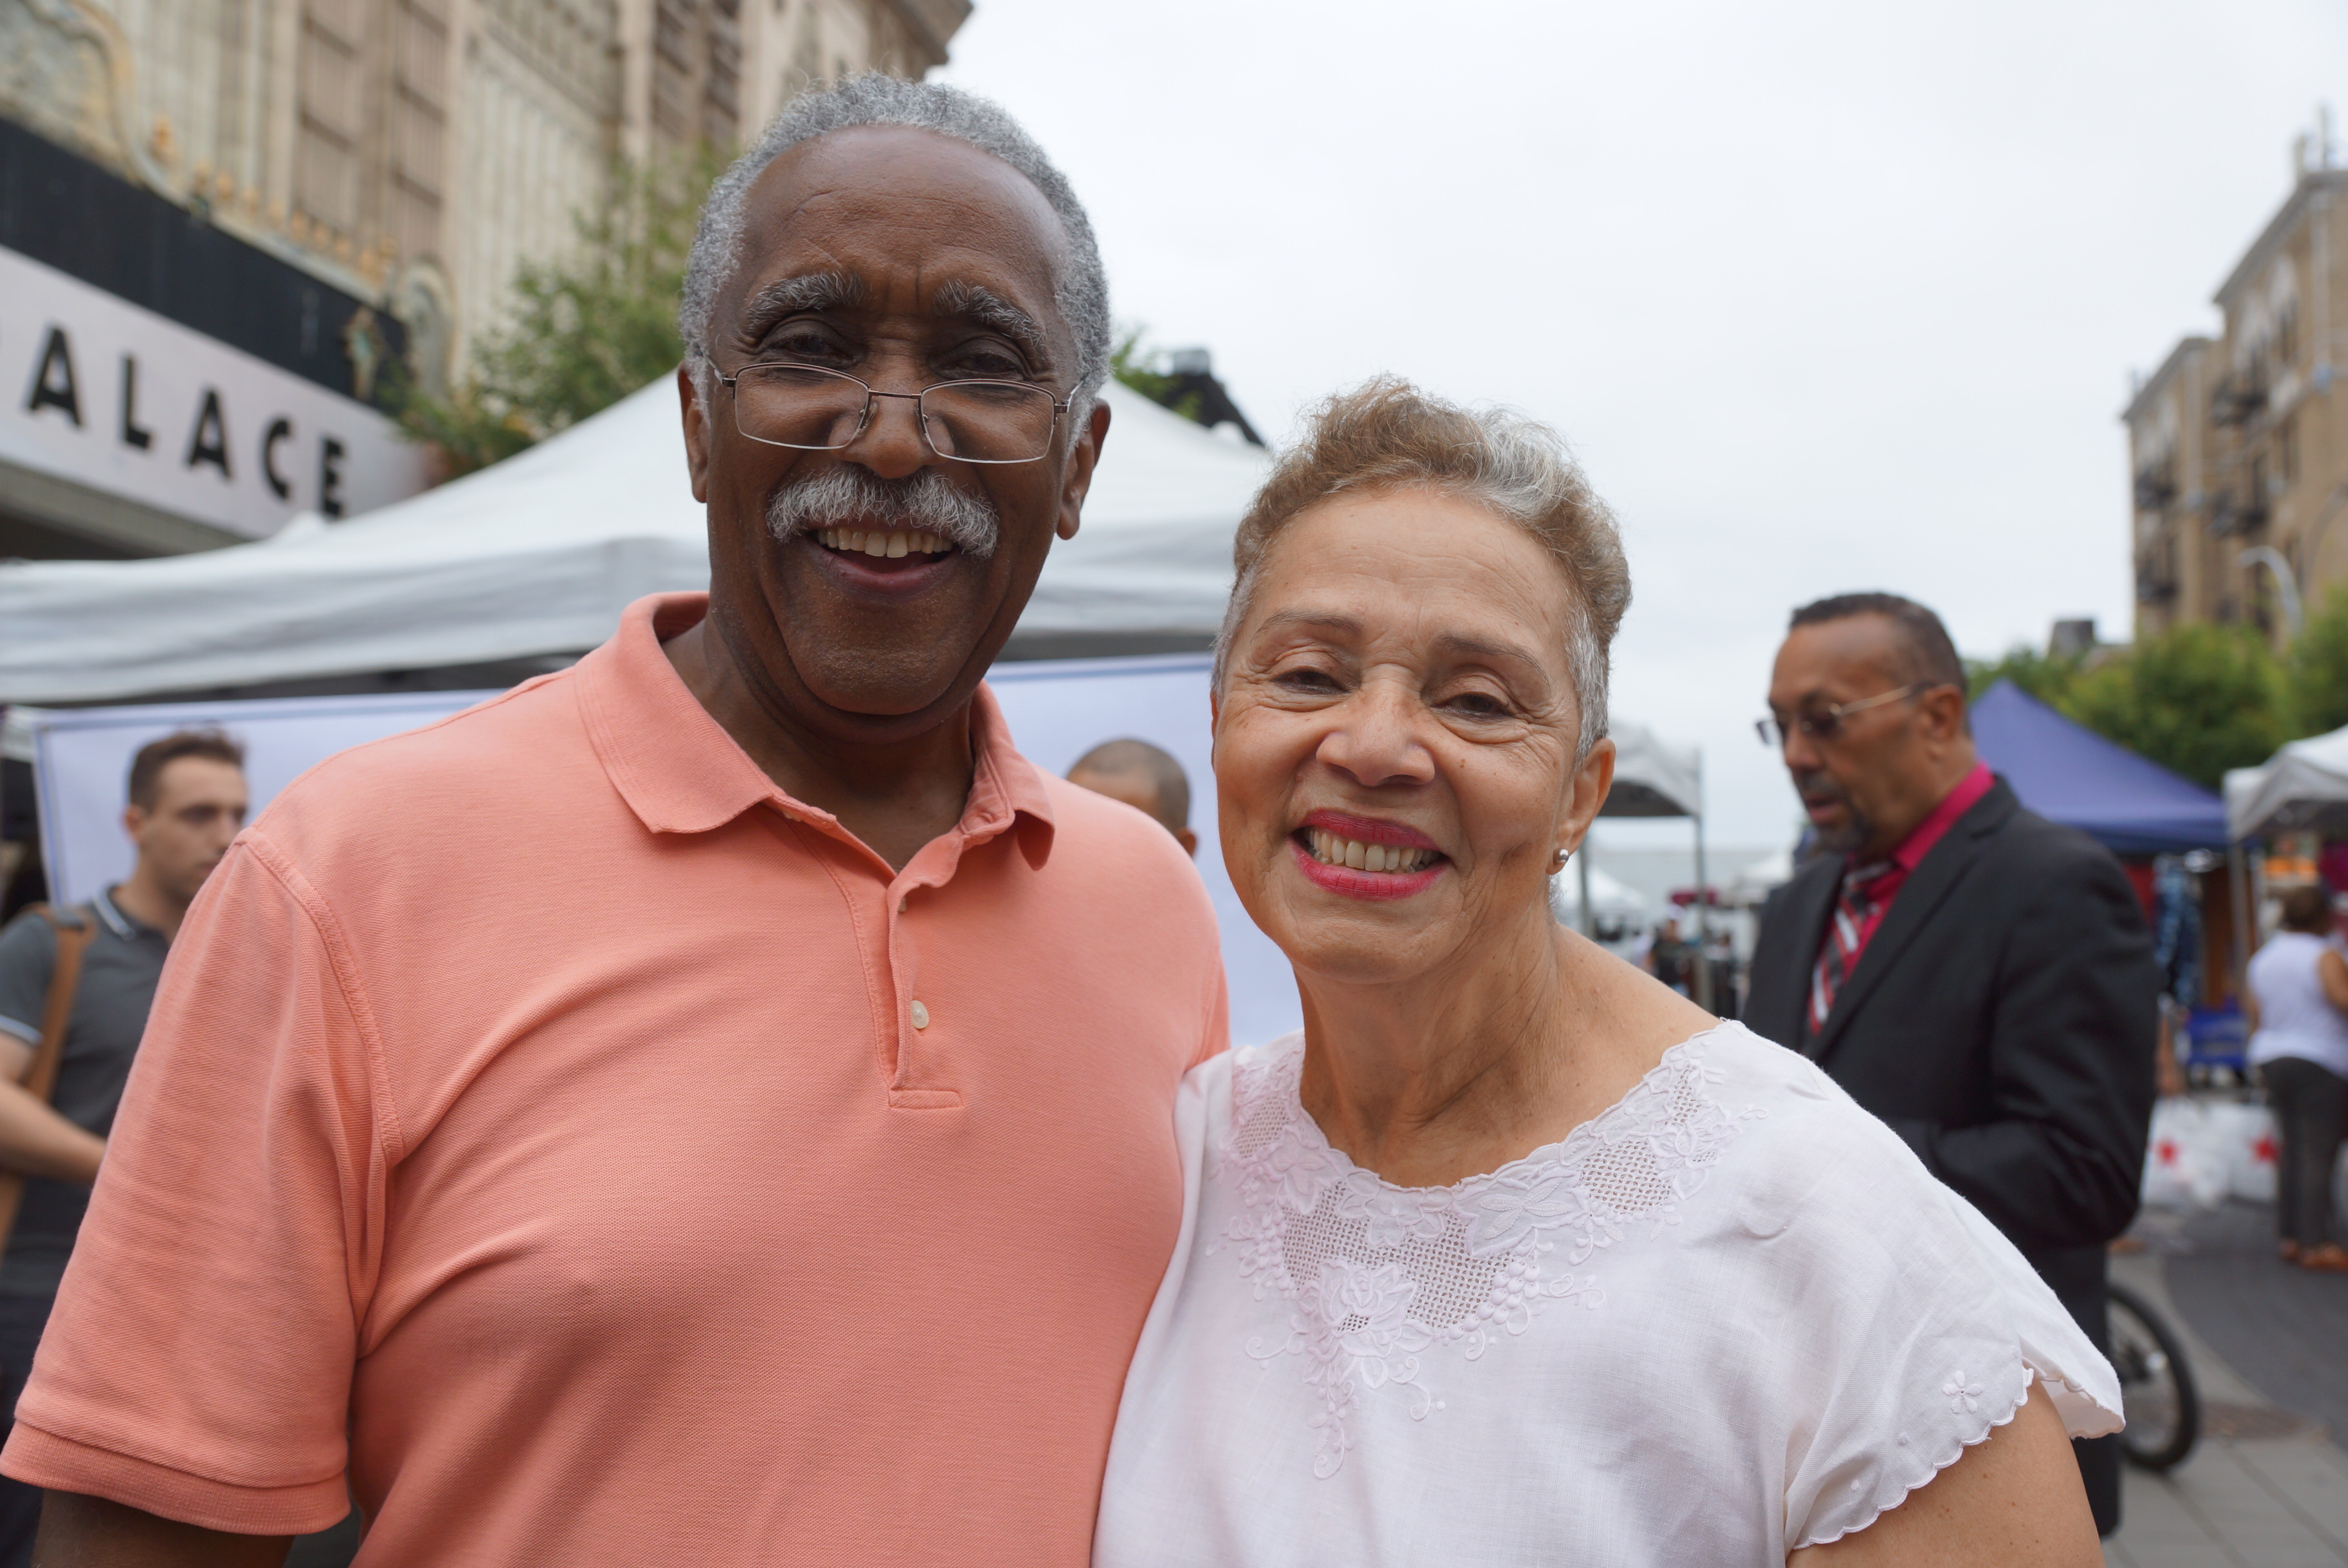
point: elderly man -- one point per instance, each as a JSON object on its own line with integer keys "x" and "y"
{"x": 695, "y": 1108}
{"x": 1976, "y": 976}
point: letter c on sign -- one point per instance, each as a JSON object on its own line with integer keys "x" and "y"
{"x": 280, "y": 430}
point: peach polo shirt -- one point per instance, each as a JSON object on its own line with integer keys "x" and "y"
{"x": 604, "y": 1158}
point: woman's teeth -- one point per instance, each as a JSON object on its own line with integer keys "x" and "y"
{"x": 1331, "y": 850}
{"x": 881, "y": 542}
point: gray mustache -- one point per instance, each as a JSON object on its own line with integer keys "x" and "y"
{"x": 849, "y": 496}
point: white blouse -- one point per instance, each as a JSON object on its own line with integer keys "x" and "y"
{"x": 1731, "y": 1317}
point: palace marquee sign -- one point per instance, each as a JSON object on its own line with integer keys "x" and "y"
{"x": 101, "y": 392}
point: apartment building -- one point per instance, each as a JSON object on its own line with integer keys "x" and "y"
{"x": 2238, "y": 442}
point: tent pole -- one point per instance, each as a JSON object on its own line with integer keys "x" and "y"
{"x": 1703, "y": 904}
{"x": 1581, "y": 871}
{"x": 2238, "y": 943}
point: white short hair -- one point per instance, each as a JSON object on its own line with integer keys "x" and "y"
{"x": 1386, "y": 435}
{"x": 1081, "y": 291}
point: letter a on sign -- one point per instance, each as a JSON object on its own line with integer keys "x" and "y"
{"x": 53, "y": 383}
{"x": 208, "y": 442}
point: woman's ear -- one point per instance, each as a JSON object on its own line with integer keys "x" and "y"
{"x": 1593, "y": 777}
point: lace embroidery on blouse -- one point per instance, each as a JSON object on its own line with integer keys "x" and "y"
{"x": 1376, "y": 1274}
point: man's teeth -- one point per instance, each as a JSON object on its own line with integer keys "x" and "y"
{"x": 881, "y": 542}
{"x": 1331, "y": 850}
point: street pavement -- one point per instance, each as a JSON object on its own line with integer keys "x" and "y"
{"x": 2266, "y": 1487}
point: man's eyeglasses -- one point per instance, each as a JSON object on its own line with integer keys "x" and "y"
{"x": 1820, "y": 723}
{"x": 813, "y": 410}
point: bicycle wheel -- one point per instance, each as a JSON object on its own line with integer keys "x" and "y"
{"x": 2157, "y": 1389}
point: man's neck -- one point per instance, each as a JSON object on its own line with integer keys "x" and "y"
{"x": 144, "y": 899}
{"x": 1952, "y": 771}
{"x": 895, "y": 797}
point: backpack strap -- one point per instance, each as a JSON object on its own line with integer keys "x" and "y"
{"x": 75, "y": 931}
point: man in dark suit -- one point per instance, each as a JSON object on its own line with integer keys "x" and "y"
{"x": 1978, "y": 977}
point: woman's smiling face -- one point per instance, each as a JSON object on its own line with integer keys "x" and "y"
{"x": 1395, "y": 742}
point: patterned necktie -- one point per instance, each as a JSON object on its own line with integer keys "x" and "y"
{"x": 1864, "y": 889}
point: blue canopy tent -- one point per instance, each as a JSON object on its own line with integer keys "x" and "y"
{"x": 2071, "y": 774}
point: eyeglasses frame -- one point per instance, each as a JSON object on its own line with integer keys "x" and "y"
{"x": 1834, "y": 713}
{"x": 864, "y": 420}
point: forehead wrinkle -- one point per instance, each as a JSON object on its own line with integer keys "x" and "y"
{"x": 1313, "y": 620}
{"x": 1004, "y": 223}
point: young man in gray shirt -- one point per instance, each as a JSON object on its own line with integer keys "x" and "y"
{"x": 187, "y": 801}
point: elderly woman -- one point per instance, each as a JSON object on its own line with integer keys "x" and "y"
{"x": 1513, "y": 1256}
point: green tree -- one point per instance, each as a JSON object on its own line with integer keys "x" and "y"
{"x": 584, "y": 330}
{"x": 1140, "y": 367}
{"x": 2039, "y": 675}
{"x": 2198, "y": 700}
{"x": 2315, "y": 669}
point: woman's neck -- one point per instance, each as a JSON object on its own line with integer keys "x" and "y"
{"x": 1430, "y": 1080}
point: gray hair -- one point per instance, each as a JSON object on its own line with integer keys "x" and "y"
{"x": 1081, "y": 290}
{"x": 1387, "y": 434}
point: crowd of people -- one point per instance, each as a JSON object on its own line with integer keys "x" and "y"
{"x": 720, "y": 1103}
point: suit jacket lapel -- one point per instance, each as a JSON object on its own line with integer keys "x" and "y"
{"x": 1809, "y": 904}
{"x": 1942, "y": 867}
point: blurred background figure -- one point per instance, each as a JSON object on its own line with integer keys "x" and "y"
{"x": 187, "y": 801}
{"x": 1146, "y": 778}
{"x": 2297, "y": 1008}
{"x": 1980, "y": 977}
{"x": 1669, "y": 958}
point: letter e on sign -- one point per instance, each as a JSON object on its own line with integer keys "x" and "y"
{"x": 330, "y": 477}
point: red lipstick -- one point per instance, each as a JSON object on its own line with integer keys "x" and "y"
{"x": 1374, "y": 885}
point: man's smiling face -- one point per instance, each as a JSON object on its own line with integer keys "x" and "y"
{"x": 904, "y": 259}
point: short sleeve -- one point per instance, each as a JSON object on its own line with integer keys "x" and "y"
{"x": 1926, "y": 1328}
{"x": 29, "y": 956}
{"x": 199, "y": 1362}
{"x": 1215, "y": 1022}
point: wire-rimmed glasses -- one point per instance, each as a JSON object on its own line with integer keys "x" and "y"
{"x": 1820, "y": 723}
{"x": 810, "y": 409}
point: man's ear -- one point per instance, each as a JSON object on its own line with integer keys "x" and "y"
{"x": 1944, "y": 708}
{"x": 1076, "y": 481}
{"x": 1189, "y": 841}
{"x": 696, "y": 432}
{"x": 134, "y": 823}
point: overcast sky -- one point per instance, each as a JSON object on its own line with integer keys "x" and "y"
{"x": 1826, "y": 296}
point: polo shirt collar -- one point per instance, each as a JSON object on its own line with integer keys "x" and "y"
{"x": 680, "y": 772}
{"x": 124, "y": 928}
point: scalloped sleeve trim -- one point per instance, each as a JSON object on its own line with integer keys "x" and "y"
{"x": 1908, "y": 1465}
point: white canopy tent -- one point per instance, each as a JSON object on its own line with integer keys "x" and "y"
{"x": 1751, "y": 887}
{"x": 2302, "y": 787}
{"x": 537, "y": 555}
{"x": 1608, "y": 895}
{"x": 1653, "y": 777}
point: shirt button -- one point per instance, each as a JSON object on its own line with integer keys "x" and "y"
{"x": 902, "y": 903}
{"x": 920, "y": 1016}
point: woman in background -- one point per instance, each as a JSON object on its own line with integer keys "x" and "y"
{"x": 2297, "y": 1013}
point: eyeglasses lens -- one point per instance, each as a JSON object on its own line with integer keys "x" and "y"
{"x": 988, "y": 421}
{"x": 822, "y": 411}
{"x": 1817, "y": 726}
{"x": 792, "y": 406}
